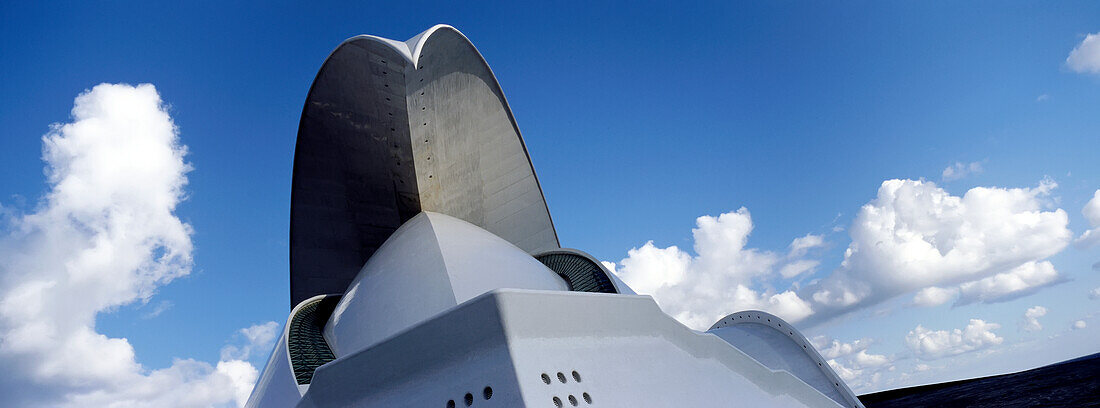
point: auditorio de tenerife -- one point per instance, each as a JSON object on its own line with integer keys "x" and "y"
{"x": 425, "y": 270}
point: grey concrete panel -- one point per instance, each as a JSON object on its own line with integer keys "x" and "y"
{"x": 470, "y": 158}
{"x": 386, "y": 134}
{"x": 353, "y": 182}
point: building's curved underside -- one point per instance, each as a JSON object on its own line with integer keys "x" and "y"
{"x": 391, "y": 129}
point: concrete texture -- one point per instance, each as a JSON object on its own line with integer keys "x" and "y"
{"x": 386, "y": 134}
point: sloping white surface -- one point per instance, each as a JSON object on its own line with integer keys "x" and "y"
{"x": 430, "y": 264}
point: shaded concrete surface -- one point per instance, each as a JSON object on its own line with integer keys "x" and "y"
{"x": 1073, "y": 383}
{"x": 383, "y": 138}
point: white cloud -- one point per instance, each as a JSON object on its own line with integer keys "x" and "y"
{"x": 800, "y": 245}
{"x": 157, "y": 309}
{"x": 934, "y": 344}
{"x": 960, "y": 170}
{"x": 865, "y": 359}
{"x": 798, "y": 267}
{"x": 105, "y": 235}
{"x": 257, "y": 337}
{"x": 832, "y": 349}
{"x": 1091, "y": 211}
{"x": 934, "y": 296}
{"x": 1042, "y": 98}
{"x": 859, "y": 368}
{"x": 1031, "y": 318}
{"x": 1085, "y": 57}
{"x": 1021, "y": 280}
{"x": 1080, "y": 324}
{"x": 922, "y": 367}
{"x": 718, "y": 279}
{"x": 796, "y": 263}
{"x": 848, "y": 374}
{"x": 1095, "y": 293}
{"x": 915, "y": 235}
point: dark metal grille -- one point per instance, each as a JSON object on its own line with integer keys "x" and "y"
{"x": 581, "y": 273}
{"x": 306, "y": 344}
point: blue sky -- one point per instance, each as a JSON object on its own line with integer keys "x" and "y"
{"x": 638, "y": 120}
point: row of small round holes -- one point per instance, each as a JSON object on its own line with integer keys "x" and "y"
{"x": 562, "y": 379}
{"x": 572, "y": 400}
{"x": 424, "y": 108}
{"x": 384, "y": 72}
{"x": 790, "y": 333}
{"x": 486, "y": 393}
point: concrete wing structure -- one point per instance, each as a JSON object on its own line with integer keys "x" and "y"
{"x": 391, "y": 129}
{"x": 425, "y": 270}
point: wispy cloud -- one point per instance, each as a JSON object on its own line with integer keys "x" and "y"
{"x": 157, "y": 309}
{"x": 1031, "y": 319}
{"x": 960, "y": 170}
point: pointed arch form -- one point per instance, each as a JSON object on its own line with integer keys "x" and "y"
{"x": 391, "y": 129}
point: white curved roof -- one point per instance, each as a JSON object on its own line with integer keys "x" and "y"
{"x": 432, "y": 263}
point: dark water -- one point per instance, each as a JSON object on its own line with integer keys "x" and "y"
{"x": 1073, "y": 383}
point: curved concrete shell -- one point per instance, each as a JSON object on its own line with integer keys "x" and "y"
{"x": 431, "y": 264}
{"x": 776, "y": 344}
{"x": 412, "y": 184}
{"x": 391, "y": 129}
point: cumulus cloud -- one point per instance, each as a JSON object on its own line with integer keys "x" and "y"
{"x": 258, "y": 337}
{"x": 1031, "y": 319}
{"x": 831, "y": 349}
{"x": 852, "y": 362}
{"x": 935, "y": 344}
{"x": 105, "y": 235}
{"x": 1080, "y": 324}
{"x": 865, "y": 359}
{"x": 1020, "y": 281}
{"x": 915, "y": 236}
{"x": 988, "y": 245}
{"x": 848, "y": 374}
{"x": 934, "y": 296}
{"x": 1095, "y": 293}
{"x": 1092, "y": 215}
{"x": 1085, "y": 57}
{"x": 960, "y": 170}
{"x": 720, "y": 277}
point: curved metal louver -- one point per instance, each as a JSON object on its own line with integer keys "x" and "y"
{"x": 306, "y": 343}
{"x": 582, "y": 274}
